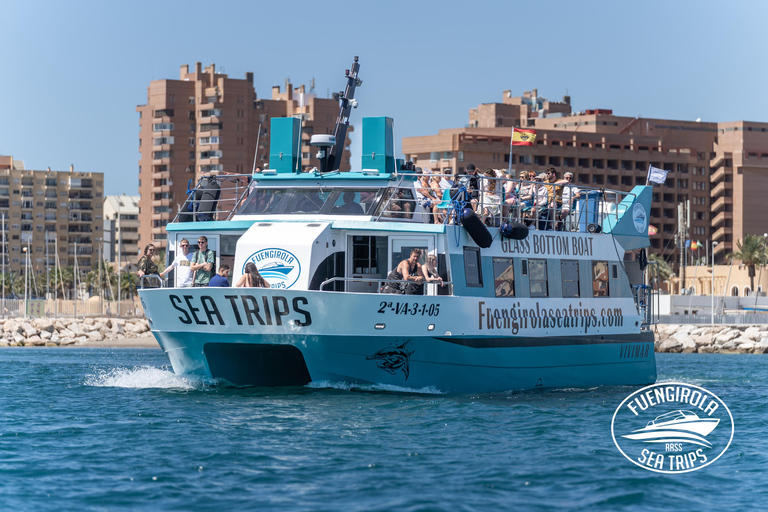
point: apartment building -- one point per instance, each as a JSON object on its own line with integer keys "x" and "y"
{"x": 121, "y": 229}
{"x": 207, "y": 123}
{"x": 719, "y": 168}
{"x": 50, "y": 214}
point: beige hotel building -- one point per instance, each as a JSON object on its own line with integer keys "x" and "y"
{"x": 208, "y": 123}
{"x": 49, "y": 213}
{"x": 721, "y": 168}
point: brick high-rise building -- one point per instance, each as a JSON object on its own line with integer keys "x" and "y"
{"x": 48, "y": 210}
{"x": 720, "y": 167}
{"x": 207, "y": 123}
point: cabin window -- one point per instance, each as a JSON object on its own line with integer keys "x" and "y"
{"x": 569, "y": 272}
{"x": 615, "y": 271}
{"x": 397, "y": 203}
{"x": 538, "y": 278}
{"x": 600, "y": 279}
{"x": 503, "y": 277}
{"x": 472, "y": 270}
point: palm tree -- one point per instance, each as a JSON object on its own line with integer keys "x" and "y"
{"x": 751, "y": 253}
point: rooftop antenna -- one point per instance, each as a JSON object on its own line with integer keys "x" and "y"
{"x": 312, "y": 86}
{"x": 346, "y": 104}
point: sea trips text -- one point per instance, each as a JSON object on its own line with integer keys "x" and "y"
{"x": 247, "y": 310}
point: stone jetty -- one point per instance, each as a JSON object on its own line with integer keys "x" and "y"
{"x": 27, "y": 332}
{"x": 731, "y": 339}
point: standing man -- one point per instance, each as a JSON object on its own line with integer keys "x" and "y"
{"x": 220, "y": 279}
{"x": 202, "y": 263}
{"x": 570, "y": 194}
{"x": 183, "y": 265}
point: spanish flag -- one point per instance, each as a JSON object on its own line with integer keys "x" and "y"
{"x": 523, "y": 137}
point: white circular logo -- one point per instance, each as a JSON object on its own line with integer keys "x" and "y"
{"x": 279, "y": 267}
{"x": 639, "y": 217}
{"x": 672, "y": 428}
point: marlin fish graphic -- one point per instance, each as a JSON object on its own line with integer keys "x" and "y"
{"x": 391, "y": 359}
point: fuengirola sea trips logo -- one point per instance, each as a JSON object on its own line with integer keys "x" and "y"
{"x": 672, "y": 427}
{"x": 279, "y": 267}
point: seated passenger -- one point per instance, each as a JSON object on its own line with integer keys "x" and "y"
{"x": 407, "y": 270}
{"x": 350, "y": 207}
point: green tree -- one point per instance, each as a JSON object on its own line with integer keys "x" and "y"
{"x": 665, "y": 269}
{"x": 751, "y": 253}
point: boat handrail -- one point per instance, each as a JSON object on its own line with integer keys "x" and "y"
{"x": 148, "y": 280}
{"x": 380, "y": 283}
{"x": 400, "y": 201}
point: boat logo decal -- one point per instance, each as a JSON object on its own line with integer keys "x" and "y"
{"x": 640, "y": 218}
{"x": 393, "y": 359}
{"x": 672, "y": 427}
{"x": 279, "y": 267}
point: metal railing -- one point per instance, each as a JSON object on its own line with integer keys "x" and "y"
{"x": 747, "y": 318}
{"x": 382, "y": 282}
{"x": 404, "y": 198}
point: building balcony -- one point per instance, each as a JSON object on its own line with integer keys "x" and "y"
{"x": 76, "y": 217}
{"x": 719, "y": 175}
{"x": 719, "y": 204}
{"x": 78, "y": 206}
{"x": 721, "y": 232}
{"x": 161, "y": 202}
{"x": 717, "y": 161}
{"x": 720, "y": 218}
{"x": 720, "y": 189}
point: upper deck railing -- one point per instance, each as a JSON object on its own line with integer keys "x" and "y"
{"x": 405, "y": 197}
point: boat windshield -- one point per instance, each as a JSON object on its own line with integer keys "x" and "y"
{"x": 310, "y": 200}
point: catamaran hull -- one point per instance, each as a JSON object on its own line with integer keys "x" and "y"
{"x": 283, "y": 338}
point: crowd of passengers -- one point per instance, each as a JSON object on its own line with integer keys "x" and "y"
{"x": 542, "y": 201}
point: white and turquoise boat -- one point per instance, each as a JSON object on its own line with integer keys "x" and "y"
{"x": 518, "y": 308}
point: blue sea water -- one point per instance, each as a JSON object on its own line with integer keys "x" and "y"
{"x": 85, "y": 429}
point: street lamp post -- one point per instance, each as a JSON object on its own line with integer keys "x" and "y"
{"x": 713, "y": 281}
{"x": 760, "y": 274}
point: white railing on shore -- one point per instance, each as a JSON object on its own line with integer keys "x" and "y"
{"x": 727, "y": 319}
{"x": 67, "y": 308}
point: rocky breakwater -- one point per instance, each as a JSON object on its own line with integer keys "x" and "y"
{"x": 734, "y": 339}
{"x": 27, "y": 332}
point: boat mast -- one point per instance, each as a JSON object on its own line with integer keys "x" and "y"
{"x": 346, "y": 103}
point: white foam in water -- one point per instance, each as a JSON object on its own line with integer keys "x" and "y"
{"x": 390, "y": 388}
{"x": 143, "y": 377}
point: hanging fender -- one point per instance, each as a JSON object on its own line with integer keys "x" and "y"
{"x": 475, "y": 228}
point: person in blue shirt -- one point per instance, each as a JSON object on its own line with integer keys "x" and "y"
{"x": 220, "y": 279}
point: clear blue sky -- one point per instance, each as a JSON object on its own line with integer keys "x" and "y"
{"x": 73, "y": 72}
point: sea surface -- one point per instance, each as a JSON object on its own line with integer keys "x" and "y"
{"x": 86, "y": 429}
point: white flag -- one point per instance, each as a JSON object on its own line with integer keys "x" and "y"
{"x": 656, "y": 175}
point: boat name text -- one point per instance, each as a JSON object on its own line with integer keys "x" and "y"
{"x": 247, "y": 310}
{"x": 554, "y": 245}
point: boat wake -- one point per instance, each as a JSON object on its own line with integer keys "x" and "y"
{"x": 387, "y": 388}
{"x": 143, "y": 377}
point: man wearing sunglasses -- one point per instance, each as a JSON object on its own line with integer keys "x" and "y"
{"x": 183, "y": 265}
{"x": 202, "y": 263}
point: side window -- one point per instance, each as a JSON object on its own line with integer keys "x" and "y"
{"x": 569, "y": 271}
{"x": 538, "y": 278}
{"x": 600, "y": 279}
{"x": 503, "y": 277}
{"x": 472, "y": 271}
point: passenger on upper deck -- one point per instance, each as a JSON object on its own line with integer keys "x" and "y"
{"x": 425, "y": 196}
{"x": 490, "y": 202}
{"x": 570, "y": 194}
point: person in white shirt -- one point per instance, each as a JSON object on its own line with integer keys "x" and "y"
{"x": 182, "y": 263}
{"x": 570, "y": 194}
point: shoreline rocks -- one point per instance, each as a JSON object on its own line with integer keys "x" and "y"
{"x": 718, "y": 339}
{"x": 52, "y": 332}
